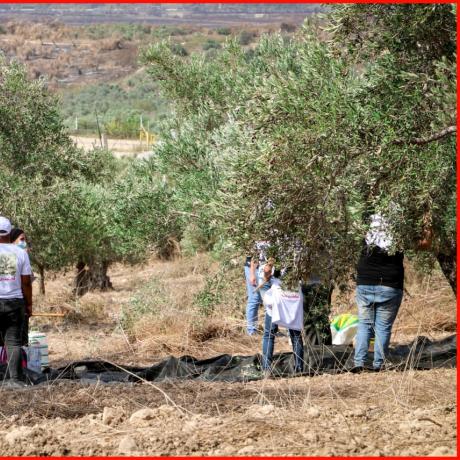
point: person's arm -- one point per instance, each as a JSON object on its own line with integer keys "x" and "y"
{"x": 252, "y": 273}
{"x": 26, "y": 286}
{"x": 26, "y": 282}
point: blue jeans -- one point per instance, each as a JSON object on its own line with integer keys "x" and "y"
{"x": 268, "y": 344}
{"x": 252, "y": 307}
{"x": 377, "y": 310}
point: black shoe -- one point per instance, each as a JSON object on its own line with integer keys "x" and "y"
{"x": 357, "y": 369}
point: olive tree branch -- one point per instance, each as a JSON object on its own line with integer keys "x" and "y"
{"x": 421, "y": 141}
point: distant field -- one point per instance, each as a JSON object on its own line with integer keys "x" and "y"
{"x": 197, "y": 14}
{"x": 119, "y": 147}
{"x": 95, "y": 67}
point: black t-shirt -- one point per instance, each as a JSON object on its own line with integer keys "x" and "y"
{"x": 377, "y": 267}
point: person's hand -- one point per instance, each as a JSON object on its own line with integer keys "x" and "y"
{"x": 268, "y": 271}
{"x": 252, "y": 280}
{"x": 29, "y": 310}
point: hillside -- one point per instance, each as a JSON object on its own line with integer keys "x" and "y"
{"x": 95, "y": 68}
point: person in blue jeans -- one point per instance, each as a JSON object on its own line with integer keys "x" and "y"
{"x": 270, "y": 331}
{"x": 379, "y": 293}
{"x": 252, "y": 268}
{"x": 254, "y": 299}
{"x": 268, "y": 345}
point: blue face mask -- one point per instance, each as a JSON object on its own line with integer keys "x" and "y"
{"x": 22, "y": 244}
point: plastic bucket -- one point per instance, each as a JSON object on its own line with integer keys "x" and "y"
{"x": 39, "y": 339}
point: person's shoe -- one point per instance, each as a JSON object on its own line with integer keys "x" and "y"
{"x": 357, "y": 369}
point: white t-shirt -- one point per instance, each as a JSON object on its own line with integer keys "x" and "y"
{"x": 285, "y": 307}
{"x": 14, "y": 262}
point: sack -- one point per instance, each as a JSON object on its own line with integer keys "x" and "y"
{"x": 285, "y": 307}
{"x": 344, "y": 328}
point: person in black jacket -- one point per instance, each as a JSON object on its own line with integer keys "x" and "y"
{"x": 379, "y": 293}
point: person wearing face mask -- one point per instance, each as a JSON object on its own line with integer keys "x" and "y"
{"x": 15, "y": 299}
{"x": 18, "y": 238}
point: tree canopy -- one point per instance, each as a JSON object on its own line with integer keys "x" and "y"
{"x": 300, "y": 140}
{"x": 295, "y": 140}
{"x": 76, "y": 207}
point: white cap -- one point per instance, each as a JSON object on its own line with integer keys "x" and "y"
{"x": 5, "y": 226}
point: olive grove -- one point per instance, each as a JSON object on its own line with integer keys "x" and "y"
{"x": 79, "y": 209}
{"x": 295, "y": 140}
{"x": 298, "y": 141}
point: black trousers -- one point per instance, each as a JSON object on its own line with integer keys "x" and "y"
{"x": 11, "y": 326}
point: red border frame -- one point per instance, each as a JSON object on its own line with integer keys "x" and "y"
{"x": 457, "y": 170}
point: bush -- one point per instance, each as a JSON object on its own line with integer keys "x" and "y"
{"x": 179, "y": 31}
{"x": 285, "y": 27}
{"x": 224, "y": 31}
{"x": 147, "y": 302}
{"x": 246, "y": 37}
{"x": 211, "y": 44}
{"x": 123, "y": 128}
{"x": 178, "y": 49}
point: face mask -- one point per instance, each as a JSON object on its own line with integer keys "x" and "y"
{"x": 22, "y": 244}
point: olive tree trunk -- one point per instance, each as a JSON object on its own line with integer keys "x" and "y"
{"x": 448, "y": 263}
{"x": 92, "y": 277}
{"x": 41, "y": 271}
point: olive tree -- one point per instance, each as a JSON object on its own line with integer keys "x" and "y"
{"x": 39, "y": 166}
{"x": 299, "y": 140}
{"x": 78, "y": 208}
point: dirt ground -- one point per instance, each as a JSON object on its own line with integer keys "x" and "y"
{"x": 131, "y": 148}
{"x": 407, "y": 413}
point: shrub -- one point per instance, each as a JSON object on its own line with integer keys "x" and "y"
{"x": 211, "y": 44}
{"x": 178, "y": 49}
{"x": 224, "y": 31}
{"x": 246, "y": 37}
{"x": 149, "y": 301}
{"x": 285, "y": 27}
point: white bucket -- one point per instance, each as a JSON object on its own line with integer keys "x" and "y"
{"x": 39, "y": 339}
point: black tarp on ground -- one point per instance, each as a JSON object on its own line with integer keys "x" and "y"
{"x": 420, "y": 354}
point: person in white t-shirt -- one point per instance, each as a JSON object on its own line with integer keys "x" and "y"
{"x": 282, "y": 308}
{"x": 15, "y": 298}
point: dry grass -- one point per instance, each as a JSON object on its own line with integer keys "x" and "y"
{"x": 347, "y": 414}
{"x": 406, "y": 413}
{"x": 173, "y": 323}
